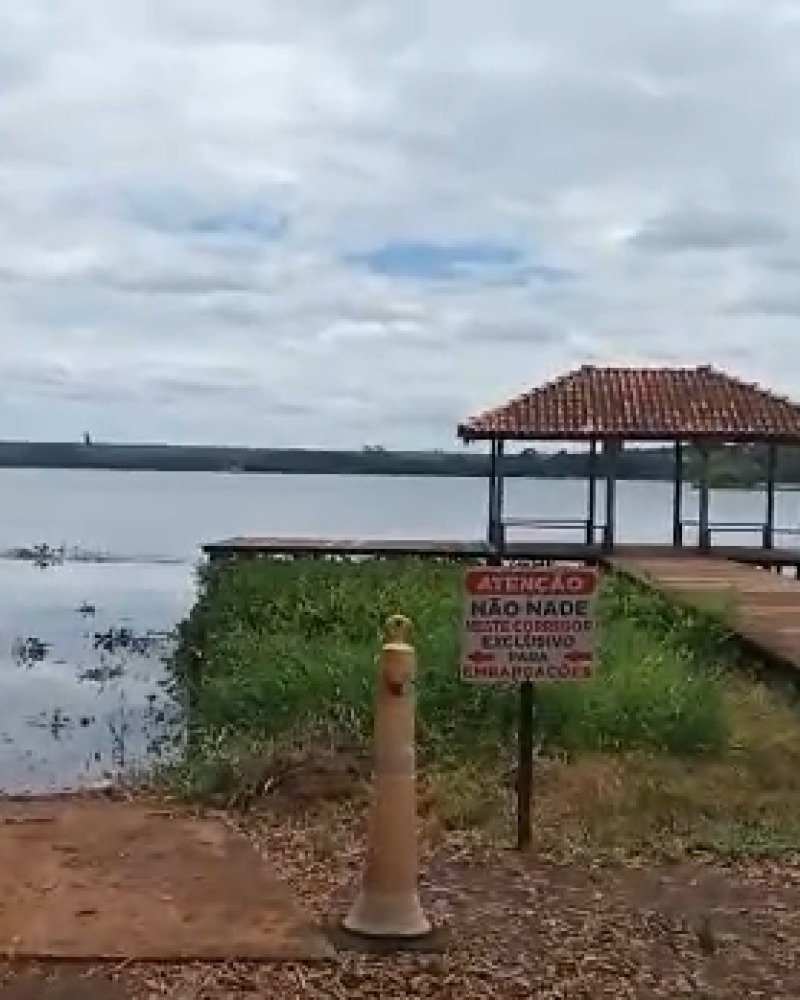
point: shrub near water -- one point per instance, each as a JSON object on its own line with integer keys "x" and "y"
{"x": 288, "y": 645}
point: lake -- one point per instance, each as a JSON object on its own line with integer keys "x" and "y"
{"x": 82, "y": 642}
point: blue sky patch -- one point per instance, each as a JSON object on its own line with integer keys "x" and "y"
{"x": 449, "y": 261}
{"x": 438, "y": 261}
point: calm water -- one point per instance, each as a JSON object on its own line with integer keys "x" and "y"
{"x": 82, "y": 642}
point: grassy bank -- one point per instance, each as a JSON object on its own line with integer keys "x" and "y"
{"x": 668, "y": 745}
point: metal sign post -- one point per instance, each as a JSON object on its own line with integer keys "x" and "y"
{"x": 522, "y": 625}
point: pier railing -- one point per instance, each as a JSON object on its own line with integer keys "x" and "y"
{"x": 766, "y": 532}
{"x": 560, "y": 524}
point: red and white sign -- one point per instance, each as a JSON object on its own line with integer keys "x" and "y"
{"x": 529, "y": 624}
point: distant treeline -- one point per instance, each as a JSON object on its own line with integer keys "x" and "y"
{"x": 734, "y": 465}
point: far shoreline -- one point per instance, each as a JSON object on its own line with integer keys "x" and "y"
{"x": 732, "y": 467}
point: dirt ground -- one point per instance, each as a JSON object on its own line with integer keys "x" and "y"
{"x": 518, "y": 928}
{"x": 81, "y": 983}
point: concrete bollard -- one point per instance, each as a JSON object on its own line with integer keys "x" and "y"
{"x": 388, "y": 905}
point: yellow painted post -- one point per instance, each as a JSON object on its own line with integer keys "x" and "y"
{"x": 388, "y": 905}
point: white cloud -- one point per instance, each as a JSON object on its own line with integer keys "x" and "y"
{"x": 187, "y": 188}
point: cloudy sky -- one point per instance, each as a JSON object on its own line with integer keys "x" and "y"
{"x": 340, "y": 222}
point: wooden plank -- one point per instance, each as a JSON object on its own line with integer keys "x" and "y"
{"x": 766, "y": 606}
{"x": 536, "y": 550}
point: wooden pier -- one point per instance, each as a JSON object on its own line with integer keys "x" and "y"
{"x": 254, "y": 547}
{"x": 698, "y": 410}
{"x": 761, "y": 608}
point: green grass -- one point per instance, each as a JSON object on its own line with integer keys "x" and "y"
{"x": 289, "y": 645}
{"x": 670, "y": 746}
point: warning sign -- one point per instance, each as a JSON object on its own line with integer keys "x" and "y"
{"x": 529, "y": 624}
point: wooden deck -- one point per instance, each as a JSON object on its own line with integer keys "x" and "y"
{"x": 762, "y": 608}
{"x": 544, "y": 551}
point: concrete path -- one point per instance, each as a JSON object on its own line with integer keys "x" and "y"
{"x": 94, "y": 879}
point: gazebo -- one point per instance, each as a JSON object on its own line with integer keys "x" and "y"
{"x": 608, "y": 407}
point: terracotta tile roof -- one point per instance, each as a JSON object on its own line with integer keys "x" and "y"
{"x": 641, "y": 404}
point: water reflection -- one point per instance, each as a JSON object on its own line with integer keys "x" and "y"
{"x": 82, "y": 673}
